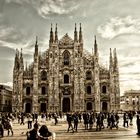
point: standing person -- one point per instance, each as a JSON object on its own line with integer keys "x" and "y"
{"x": 125, "y": 119}
{"x": 22, "y": 119}
{"x": 130, "y": 115}
{"x": 69, "y": 120}
{"x": 102, "y": 120}
{"x": 9, "y": 126}
{"x": 19, "y": 118}
{"x": 108, "y": 120}
{"x": 75, "y": 118}
{"x": 29, "y": 121}
{"x": 55, "y": 118}
{"x": 98, "y": 122}
{"x": 86, "y": 120}
{"x": 117, "y": 120}
{"x": 1, "y": 129}
{"x": 91, "y": 120}
{"x": 138, "y": 125}
{"x": 32, "y": 135}
{"x": 80, "y": 117}
{"x": 112, "y": 119}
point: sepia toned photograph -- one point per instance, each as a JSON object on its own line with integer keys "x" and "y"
{"x": 69, "y": 70}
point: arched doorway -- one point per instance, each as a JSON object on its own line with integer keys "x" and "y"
{"x": 104, "y": 106}
{"x": 28, "y": 107}
{"x": 89, "y": 106}
{"x": 43, "y": 107}
{"x": 66, "y": 105}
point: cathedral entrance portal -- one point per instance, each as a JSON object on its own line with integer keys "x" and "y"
{"x": 43, "y": 107}
{"x": 104, "y": 106}
{"x": 89, "y": 106}
{"x": 66, "y": 105}
{"x": 28, "y": 107}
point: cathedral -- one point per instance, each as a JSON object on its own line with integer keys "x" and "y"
{"x": 66, "y": 78}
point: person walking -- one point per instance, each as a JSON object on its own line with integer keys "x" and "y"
{"x": 69, "y": 120}
{"x": 55, "y": 118}
{"x": 29, "y": 117}
{"x": 22, "y": 119}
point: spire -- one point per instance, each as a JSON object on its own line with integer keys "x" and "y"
{"x": 75, "y": 34}
{"x": 110, "y": 60}
{"x": 115, "y": 61}
{"x": 21, "y": 56}
{"x": 21, "y": 60}
{"x": 17, "y": 53}
{"x": 56, "y": 36}
{"x": 80, "y": 35}
{"x": 36, "y": 46}
{"x": 51, "y": 35}
{"x": 16, "y": 63}
{"x": 95, "y": 46}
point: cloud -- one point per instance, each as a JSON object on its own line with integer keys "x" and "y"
{"x": 59, "y": 7}
{"x": 119, "y": 26}
{"x": 17, "y": 1}
{"x": 49, "y": 7}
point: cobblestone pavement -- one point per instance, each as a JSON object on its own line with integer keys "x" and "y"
{"x": 61, "y": 132}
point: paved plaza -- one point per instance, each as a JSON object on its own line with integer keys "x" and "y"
{"x": 61, "y": 132}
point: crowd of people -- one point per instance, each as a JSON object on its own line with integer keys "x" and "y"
{"x": 89, "y": 120}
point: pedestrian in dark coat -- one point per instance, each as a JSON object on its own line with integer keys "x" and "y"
{"x": 75, "y": 118}
{"x": 69, "y": 120}
{"x": 91, "y": 120}
{"x": 1, "y": 129}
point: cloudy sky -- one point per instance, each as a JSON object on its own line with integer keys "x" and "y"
{"x": 116, "y": 23}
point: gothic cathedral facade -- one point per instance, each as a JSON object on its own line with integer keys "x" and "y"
{"x": 65, "y": 78}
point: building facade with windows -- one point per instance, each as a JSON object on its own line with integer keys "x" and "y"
{"x": 5, "y": 98}
{"x": 130, "y": 100}
{"x": 66, "y": 78}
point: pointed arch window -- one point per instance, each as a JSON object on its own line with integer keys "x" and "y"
{"x": 28, "y": 90}
{"x": 44, "y": 75}
{"x": 104, "y": 89}
{"x": 43, "y": 90}
{"x": 88, "y": 89}
{"x": 66, "y": 58}
{"x": 88, "y": 75}
{"x": 66, "y": 78}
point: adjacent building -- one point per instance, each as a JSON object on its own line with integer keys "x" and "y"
{"x": 66, "y": 78}
{"x": 130, "y": 100}
{"x": 5, "y": 98}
